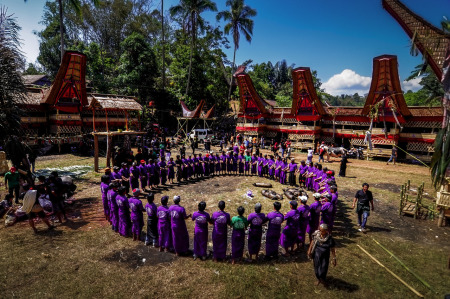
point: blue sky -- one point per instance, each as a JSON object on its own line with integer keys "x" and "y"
{"x": 337, "y": 38}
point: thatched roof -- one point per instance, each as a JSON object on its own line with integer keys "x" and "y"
{"x": 70, "y": 79}
{"x": 33, "y": 97}
{"x": 431, "y": 41}
{"x": 303, "y": 84}
{"x": 426, "y": 111}
{"x": 112, "y": 102}
{"x": 386, "y": 85}
{"x": 34, "y": 80}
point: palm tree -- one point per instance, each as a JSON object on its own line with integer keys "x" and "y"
{"x": 239, "y": 22}
{"x": 190, "y": 12}
{"x": 76, "y": 5}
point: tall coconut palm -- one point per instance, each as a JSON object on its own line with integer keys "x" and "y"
{"x": 76, "y": 5}
{"x": 189, "y": 11}
{"x": 239, "y": 22}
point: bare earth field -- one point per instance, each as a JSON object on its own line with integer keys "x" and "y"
{"x": 85, "y": 258}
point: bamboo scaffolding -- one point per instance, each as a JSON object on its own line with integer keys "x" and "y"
{"x": 404, "y": 266}
{"x": 392, "y": 273}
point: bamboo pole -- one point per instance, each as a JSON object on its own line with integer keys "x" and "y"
{"x": 392, "y": 273}
{"x": 96, "y": 152}
{"x": 404, "y": 266}
{"x": 401, "y": 200}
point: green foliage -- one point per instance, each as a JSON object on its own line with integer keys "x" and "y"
{"x": 431, "y": 92}
{"x": 137, "y": 68}
{"x": 12, "y": 89}
{"x": 33, "y": 69}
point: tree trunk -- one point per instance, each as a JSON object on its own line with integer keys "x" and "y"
{"x": 163, "y": 48}
{"x": 61, "y": 27}
{"x": 190, "y": 67}
{"x": 232, "y": 71}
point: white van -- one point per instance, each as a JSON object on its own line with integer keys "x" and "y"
{"x": 201, "y": 134}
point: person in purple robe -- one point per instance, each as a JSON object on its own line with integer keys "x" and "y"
{"x": 143, "y": 175}
{"x": 292, "y": 170}
{"x": 171, "y": 170}
{"x": 301, "y": 173}
{"x": 156, "y": 177}
{"x": 284, "y": 170}
{"x": 201, "y": 219}
{"x": 116, "y": 176}
{"x": 196, "y": 166}
{"x": 303, "y": 210}
{"x": 271, "y": 167}
{"x": 241, "y": 163}
{"x": 239, "y": 224}
{"x": 190, "y": 169}
{"x": 180, "y": 235}
{"x": 265, "y": 164}
{"x": 206, "y": 165}
{"x": 254, "y": 164}
{"x": 334, "y": 202}
{"x": 212, "y": 164}
{"x": 163, "y": 171}
{"x": 124, "y": 212}
{"x": 201, "y": 165}
{"x": 236, "y": 148}
{"x": 113, "y": 209}
{"x": 260, "y": 162}
{"x": 217, "y": 163}
{"x": 290, "y": 231}
{"x": 275, "y": 219}
{"x": 151, "y": 236}
{"x": 234, "y": 165}
{"x": 256, "y": 220}
{"x": 150, "y": 174}
{"x": 278, "y": 165}
{"x": 104, "y": 187}
{"x": 185, "y": 167}
{"x": 164, "y": 229}
{"x": 134, "y": 176}
{"x": 327, "y": 211}
{"x": 137, "y": 219}
{"x": 125, "y": 173}
{"x": 314, "y": 215}
{"x": 230, "y": 162}
{"x": 220, "y": 220}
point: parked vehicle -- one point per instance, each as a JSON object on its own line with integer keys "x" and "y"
{"x": 201, "y": 134}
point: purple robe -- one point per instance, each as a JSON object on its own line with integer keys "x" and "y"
{"x": 254, "y": 167}
{"x": 290, "y": 230}
{"x": 180, "y": 235}
{"x": 156, "y": 180}
{"x": 143, "y": 175}
{"x": 238, "y": 238}
{"x": 261, "y": 161}
{"x": 113, "y": 209}
{"x": 219, "y": 234}
{"x": 327, "y": 214}
{"x": 150, "y": 174}
{"x": 314, "y": 217}
{"x": 256, "y": 221}
{"x": 303, "y": 224}
{"x": 200, "y": 233}
{"x": 282, "y": 173}
{"x": 236, "y": 149}
{"x": 163, "y": 171}
{"x": 273, "y": 232}
{"x": 223, "y": 162}
{"x": 124, "y": 215}
{"x": 116, "y": 175}
{"x": 241, "y": 162}
{"x": 218, "y": 164}
{"x": 134, "y": 181}
{"x": 137, "y": 220}
{"x": 164, "y": 231}
{"x": 269, "y": 165}
{"x": 171, "y": 170}
{"x": 104, "y": 189}
{"x": 278, "y": 171}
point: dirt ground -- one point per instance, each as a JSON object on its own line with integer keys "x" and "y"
{"x": 84, "y": 258}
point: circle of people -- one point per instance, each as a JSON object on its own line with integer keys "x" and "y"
{"x": 166, "y": 226}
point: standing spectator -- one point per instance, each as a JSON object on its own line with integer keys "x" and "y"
{"x": 262, "y": 142}
{"x": 364, "y": 200}
{"x": 288, "y": 150}
{"x": 321, "y": 153}
{"x": 282, "y": 148}
{"x": 12, "y": 183}
{"x": 343, "y": 165}
{"x": 32, "y": 159}
{"x": 393, "y": 157}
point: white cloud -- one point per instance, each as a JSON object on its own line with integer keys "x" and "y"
{"x": 412, "y": 84}
{"x": 347, "y": 82}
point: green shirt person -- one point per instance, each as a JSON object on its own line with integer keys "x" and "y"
{"x": 12, "y": 183}
{"x": 239, "y": 224}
